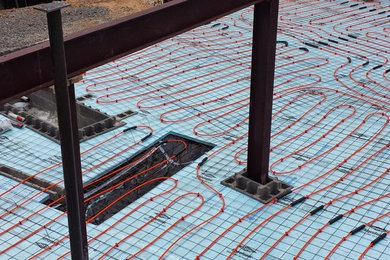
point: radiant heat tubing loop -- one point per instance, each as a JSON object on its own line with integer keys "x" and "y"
{"x": 223, "y": 45}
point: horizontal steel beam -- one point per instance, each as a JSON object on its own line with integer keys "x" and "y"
{"x": 30, "y": 69}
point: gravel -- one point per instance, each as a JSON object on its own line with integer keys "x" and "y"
{"x": 25, "y": 26}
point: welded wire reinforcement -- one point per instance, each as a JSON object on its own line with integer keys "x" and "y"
{"x": 330, "y": 139}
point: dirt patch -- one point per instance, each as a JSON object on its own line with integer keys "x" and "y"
{"x": 117, "y": 8}
{"x": 24, "y": 27}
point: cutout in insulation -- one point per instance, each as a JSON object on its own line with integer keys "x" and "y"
{"x": 117, "y": 189}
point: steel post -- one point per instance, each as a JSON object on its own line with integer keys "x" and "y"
{"x": 262, "y": 82}
{"x": 67, "y": 122}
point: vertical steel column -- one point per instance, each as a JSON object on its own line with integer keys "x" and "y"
{"x": 262, "y": 84}
{"x": 67, "y": 122}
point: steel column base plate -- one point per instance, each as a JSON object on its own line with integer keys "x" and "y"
{"x": 263, "y": 193}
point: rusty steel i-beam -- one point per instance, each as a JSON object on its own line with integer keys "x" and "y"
{"x": 93, "y": 47}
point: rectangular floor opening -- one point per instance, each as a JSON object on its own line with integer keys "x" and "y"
{"x": 112, "y": 189}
